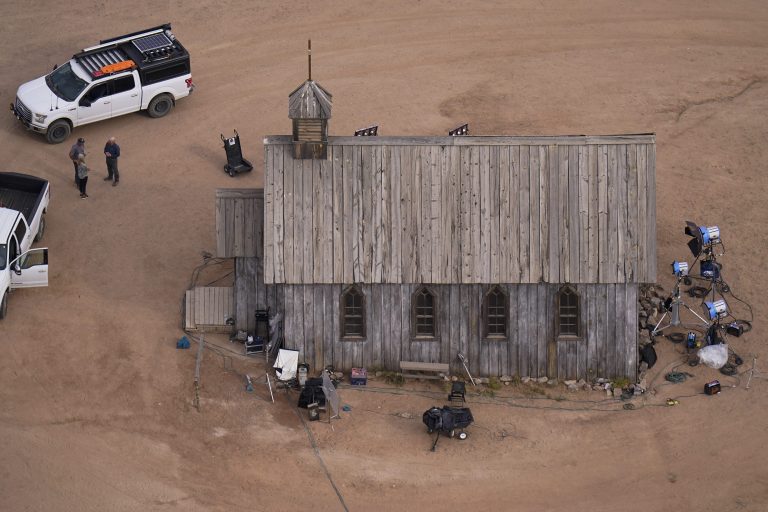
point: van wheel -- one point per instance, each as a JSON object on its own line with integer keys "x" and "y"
{"x": 40, "y": 229}
{"x": 4, "y": 306}
{"x": 160, "y": 105}
{"x": 58, "y": 132}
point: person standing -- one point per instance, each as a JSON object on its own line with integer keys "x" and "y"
{"x": 112, "y": 152}
{"x": 82, "y": 175}
{"x": 78, "y": 148}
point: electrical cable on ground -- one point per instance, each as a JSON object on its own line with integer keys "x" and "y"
{"x": 499, "y": 401}
{"x": 675, "y": 337}
{"x": 320, "y": 459}
{"x": 676, "y": 377}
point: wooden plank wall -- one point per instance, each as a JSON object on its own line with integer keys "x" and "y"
{"x": 250, "y": 293}
{"x": 479, "y": 212}
{"x": 607, "y": 348}
{"x": 209, "y": 307}
{"x": 240, "y": 223}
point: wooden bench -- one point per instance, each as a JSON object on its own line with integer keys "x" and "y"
{"x": 435, "y": 368}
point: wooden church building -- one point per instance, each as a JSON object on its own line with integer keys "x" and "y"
{"x": 524, "y": 254}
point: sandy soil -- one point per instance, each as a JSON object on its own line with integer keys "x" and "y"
{"x": 96, "y": 400}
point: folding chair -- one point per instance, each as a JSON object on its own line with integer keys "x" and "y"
{"x": 286, "y": 365}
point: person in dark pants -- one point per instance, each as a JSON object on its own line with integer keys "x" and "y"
{"x": 82, "y": 175}
{"x": 78, "y": 148}
{"x": 112, "y": 152}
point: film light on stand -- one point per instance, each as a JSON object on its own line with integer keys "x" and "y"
{"x": 715, "y": 310}
{"x": 680, "y": 268}
{"x": 703, "y": 238}
{"x": 709, "y": 234}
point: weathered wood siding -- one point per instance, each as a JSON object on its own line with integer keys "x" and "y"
{"x": 250, "y": 293}
{"x": 240, "y": 223}
{"x": 208, "y": 308}
{"x": 462, "y": 210}
{"x": 607, "y": 346}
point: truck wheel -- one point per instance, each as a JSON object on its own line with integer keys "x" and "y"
{"x": 4, "y": 306}
{"x": 40, "y": 229}
{"x": 58, "y": 132}
{"x": 160, "y": 105}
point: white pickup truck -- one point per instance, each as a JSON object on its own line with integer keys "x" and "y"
{"x": 23, "y": 205}
{"x": 147, "y": 70}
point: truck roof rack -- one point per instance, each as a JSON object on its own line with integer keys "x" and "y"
{"x": 145, "y": 48}
{"x": 95, "y": 62}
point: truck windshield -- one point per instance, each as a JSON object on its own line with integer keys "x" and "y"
{"x": 3, "y": 253}
{"x": 65, "y": 83}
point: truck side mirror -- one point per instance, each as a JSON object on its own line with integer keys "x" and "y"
{"x": 17, "y": 268}
{"x": 85, "y": 102}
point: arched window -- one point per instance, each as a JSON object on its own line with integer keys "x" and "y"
{"x": 424, "y": 313}
{"x": 495, "y": 313}
{"x": 352, "y": 313}
{"x": 567, "y": 312}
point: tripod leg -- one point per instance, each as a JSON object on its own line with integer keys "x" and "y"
{"x": 437, "y": 438}
{"x": 694, "y": 313}
{"x": 656, "y": 329}
{"x": 751, "y": 371}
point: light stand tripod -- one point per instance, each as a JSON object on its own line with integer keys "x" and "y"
{"x": 673, "y": 310}
{"x": 753, "y": 371}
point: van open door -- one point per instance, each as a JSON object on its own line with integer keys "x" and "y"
{"x": 30, "y": 269}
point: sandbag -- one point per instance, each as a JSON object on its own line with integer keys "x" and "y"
{"x": 648, "y": 354}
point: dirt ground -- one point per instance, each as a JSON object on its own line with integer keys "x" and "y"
{"x": 96, "y": 401}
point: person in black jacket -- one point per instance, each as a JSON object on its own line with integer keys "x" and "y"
{"x": 112, "y": 152}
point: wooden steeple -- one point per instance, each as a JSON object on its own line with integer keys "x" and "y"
{"x": 309, "y": 105}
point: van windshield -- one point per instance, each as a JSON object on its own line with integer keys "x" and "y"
{"x": 65, "y": 83}
{"x": 3, "y": 253}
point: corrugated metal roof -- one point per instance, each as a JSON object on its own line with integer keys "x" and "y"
{"x": 310, "y": 101}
